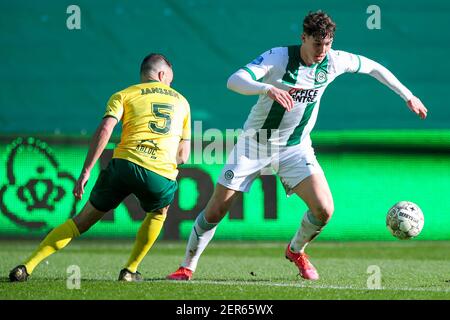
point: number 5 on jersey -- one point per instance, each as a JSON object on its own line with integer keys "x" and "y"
{"x": 162, "y": 113}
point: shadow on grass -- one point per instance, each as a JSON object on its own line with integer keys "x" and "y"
{"x": 220, "y": 280}
{"x": 154, "y": 280}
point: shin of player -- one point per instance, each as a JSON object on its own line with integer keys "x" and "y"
{"x": 203, "y": 230}
{"x": 316, "y": 193}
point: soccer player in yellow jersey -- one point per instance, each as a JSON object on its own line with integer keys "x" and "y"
{"x": 155, "y": 139}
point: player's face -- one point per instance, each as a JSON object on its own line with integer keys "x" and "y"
{"x": 316, "y": 49}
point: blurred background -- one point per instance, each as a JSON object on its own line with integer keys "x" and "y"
{"x": 56, "y": 80}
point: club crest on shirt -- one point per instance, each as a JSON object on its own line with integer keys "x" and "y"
{"x": 321, "y": 76}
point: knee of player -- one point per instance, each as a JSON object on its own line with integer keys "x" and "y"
{"x": 159, "y": 214}
{"x": 161, "y": 211}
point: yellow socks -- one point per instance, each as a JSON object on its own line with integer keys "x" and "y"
{"x": 60, "y": 237}
{"x": 57, "y": 239}
{"x": 146, "y": 236}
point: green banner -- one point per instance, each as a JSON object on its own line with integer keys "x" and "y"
{"x": 37, "y": 178}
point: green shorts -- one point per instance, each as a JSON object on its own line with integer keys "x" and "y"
{"x": 122, "y": 177}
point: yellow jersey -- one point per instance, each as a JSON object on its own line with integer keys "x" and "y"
{"x": 154, "y": 118}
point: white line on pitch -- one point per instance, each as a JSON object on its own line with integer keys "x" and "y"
{"x": 298, "y": 285}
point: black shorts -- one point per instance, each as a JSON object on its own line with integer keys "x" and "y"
{"x": 122, "y": 177}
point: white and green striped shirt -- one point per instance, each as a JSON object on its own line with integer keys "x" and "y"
{"x": 283, "y": 68}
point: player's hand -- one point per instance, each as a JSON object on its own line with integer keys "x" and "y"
{"x": 80, "y": 184}
{"x": 416, "y": 106}
{"x": 282, "y": 97}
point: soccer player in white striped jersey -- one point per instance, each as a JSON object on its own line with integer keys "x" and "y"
{"x": 290, "y": 82}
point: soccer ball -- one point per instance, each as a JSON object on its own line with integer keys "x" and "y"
{"x": 405, "y": 220}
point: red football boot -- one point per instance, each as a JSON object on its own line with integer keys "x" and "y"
{"x": 307, "y": 270}
{"x": 183, "y": 274}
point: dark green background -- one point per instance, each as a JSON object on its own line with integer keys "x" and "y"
{"x": 57, "y": 80}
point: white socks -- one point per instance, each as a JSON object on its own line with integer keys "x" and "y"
{"x": 203, "y": 231}
{"x": 201, "y": 234}
{"x": 309, "y": 229}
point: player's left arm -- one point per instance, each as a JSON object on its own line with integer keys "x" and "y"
{"x": 184, "y": 147}
{"x": 386, "y": 77}
{"x": 184, "y": 150}
{"x": 97, "y": 145}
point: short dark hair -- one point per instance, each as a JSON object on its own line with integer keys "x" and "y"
{"x": 319, "y": 25}
{"x": 152, "y": 62}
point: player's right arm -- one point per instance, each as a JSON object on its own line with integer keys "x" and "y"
{"x": 98, "y": 144}
{"x": 114, "y": 112}
{"x": 244, "y": 81}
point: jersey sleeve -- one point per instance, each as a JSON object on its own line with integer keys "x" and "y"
{"x": 347, "y": 62}
{"x": 261, "y": 65}
{"x": 114, "y": 107}
{"x": 186, "y": 133}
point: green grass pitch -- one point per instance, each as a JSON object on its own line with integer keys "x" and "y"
{"x": 235, "y": 271}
